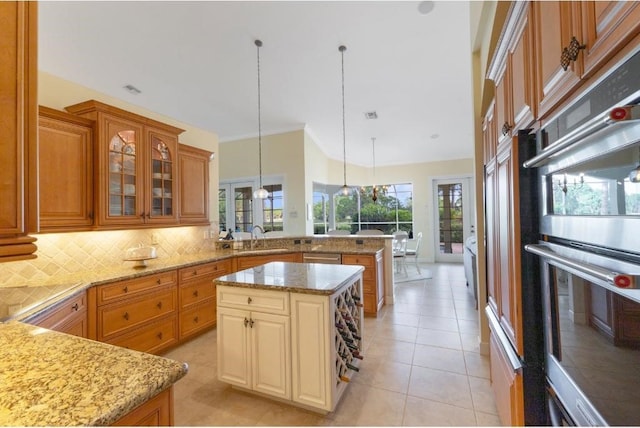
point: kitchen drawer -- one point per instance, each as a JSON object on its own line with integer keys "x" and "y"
{"x": 197, "y": 318}
{"x": 352, "y": 259}
{"x": 150, "y": 338}
{"x": 273, "y": 302}
{"x": 213, "y": 270}
{"x": 68, "y": 311}
{"x": 119, "y": 317}
{"x": 196, "y": 292}
{"x": 124, "y": 289}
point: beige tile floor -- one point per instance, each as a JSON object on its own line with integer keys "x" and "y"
{"x": 422, "y": 367}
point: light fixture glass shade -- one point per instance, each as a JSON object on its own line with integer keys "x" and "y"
{"x": 261, "y": 193}
{"x": 634, "y": 175}
{"x": 345, "y": 190}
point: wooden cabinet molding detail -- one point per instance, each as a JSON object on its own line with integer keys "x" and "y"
{"x": 193, "y": 185}
{"x": 19, "y": 122}
{"x": 65, "y": 155}
{"x": 137, "y": 167}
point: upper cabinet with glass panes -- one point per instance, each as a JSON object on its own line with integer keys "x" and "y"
{"x": 136, "y": 169}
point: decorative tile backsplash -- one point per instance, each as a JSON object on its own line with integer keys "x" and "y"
{"x": 64, "y": 253}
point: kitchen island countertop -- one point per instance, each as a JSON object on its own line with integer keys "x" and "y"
{"x": 309, "y": 278}
{"x": 54, "y": 379}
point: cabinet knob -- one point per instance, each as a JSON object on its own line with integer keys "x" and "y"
{"x": 195, "y": 293}
{"x": 195, "y": 319}
{"x": 246, "y": 321}
{"x": 159, "y": 305}
{"x": 160, "y": 335}
{"x": 75, "y": 307}
{"x": 251, "y": 323}
{"x": 570, "y": 53}
{"x": 194, "y": 273}
{"x": 506, "y": 128}
{"x": 248, "y": 299}
{"x": 126, "y": 316}
{"x": 158, "y": 281}
{"x": 125, "y": 289}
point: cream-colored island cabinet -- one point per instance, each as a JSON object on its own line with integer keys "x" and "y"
{"x": 292, "y": 331}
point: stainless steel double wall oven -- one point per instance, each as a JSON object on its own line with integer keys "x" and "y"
{"x": 588, "y": 168}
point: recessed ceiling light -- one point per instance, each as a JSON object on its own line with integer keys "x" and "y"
{"x": 371, "y": 115}
{"x": 424, "y": 7}
{"x": 434, "y": 136}
{"x": 132, "y": 89}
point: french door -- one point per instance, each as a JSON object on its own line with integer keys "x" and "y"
{"x": 238, "y": 208}
{"x": 453, "y": 204}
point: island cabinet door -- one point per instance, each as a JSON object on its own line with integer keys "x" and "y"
{"x": 234, "y": 357}
{"x": 311, "y": 374}
{"x": 270, "y": 354}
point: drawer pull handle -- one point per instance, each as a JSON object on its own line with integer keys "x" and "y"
{"x": 75, "y": 307}
{"x": 246, "y": 321}
{"x": 126, "y": 316}
{"x": 160, "y": 335}
{"x": 251, "y": 323}
{"x": 195, "y": 293}
{"x": 248, "y": 299}
{"x": 195, "y": 319}
{"x": 125, "y": 289}
{"x": 159, "y": 305}
{"x": 159, "y": 281}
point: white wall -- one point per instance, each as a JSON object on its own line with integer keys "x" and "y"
{"x": 296, "y": 156}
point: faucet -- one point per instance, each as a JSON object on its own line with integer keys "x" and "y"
{"x": 255, "y": 235}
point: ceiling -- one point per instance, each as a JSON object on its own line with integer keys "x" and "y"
{"x": 197, "y": 62}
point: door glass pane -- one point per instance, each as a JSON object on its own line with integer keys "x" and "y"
{"x": 222, "y": 208}
{"x": 450, "y": 218}
{"x": 272, "y": 209}
{"x": 243, "y": 209}
{"x": 122, "y": 174}
{"x": 162, "y": 178}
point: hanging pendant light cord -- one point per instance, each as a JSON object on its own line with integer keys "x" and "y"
{"x": 344, "y": 137}
{"x": 258, "y": 44}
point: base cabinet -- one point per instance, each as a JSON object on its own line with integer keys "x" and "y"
{"x": 372, "y": 280}
{"x": 507, "y": 386}
{"x": 158, "y": 411}
{"x": 68, "y": 316}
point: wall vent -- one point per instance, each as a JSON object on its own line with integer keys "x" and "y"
{"x": 371, "y": 115}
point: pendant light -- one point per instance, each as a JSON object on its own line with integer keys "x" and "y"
{"x": 345, "y": 189}
{"x": 261, "y": 193}
{"x": 374, "y": 192}
{"x": 634, "y": 175}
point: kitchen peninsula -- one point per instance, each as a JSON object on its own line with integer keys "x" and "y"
{"x": 292, "y": 331}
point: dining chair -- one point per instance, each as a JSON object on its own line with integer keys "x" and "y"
{"x": 413, "y": 252}
{"x": 369, "y": 232}
{"x": 399, "y": 253}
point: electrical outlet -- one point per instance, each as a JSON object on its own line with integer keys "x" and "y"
{"x": 154, "y": 238}
{"x": 205, "y": 234}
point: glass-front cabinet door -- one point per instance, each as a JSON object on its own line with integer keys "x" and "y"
{"x": 162, "y": 171}
{"x": 123, "y": 200}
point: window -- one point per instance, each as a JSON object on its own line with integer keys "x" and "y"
{"x": 392, "y": 210}
{"x": 222, "y": 208}
{"x": 243, "y": 209}
{"x": 272, "y": 209}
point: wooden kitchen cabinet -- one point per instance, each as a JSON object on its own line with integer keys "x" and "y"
{"x": 197, "y": 296}
{"x": 507, "y": 385}
{"x": 68, "y": 316}
{"x": 193, "y": 167}
{"x": 140, "y": 314}
{"x": 555, "y": 23}
{"x": 512, "y": 71}
{"x": 372, "y": 280}
{"x": 19, "y": 124}
{"x": 158, "y": 411}
{"x": 607, "y": 26}
{"x": 65, "y": 153}
{"x": 254, "y": 345}
{"x": 136, "y": 167}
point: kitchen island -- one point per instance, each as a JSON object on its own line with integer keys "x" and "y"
{"x": 49, "y": 378}
{"x": 291, "y": 331}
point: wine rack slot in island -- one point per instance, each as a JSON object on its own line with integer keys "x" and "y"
{"x": 313, "y": 347}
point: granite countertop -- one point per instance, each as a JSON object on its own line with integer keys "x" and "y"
{"x": 310, "y": 278}
{"x": 54, "y": 379}
{"x": 19, "y": 303}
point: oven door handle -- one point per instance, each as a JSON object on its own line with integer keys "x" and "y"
{"x": 616, "y": 279}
